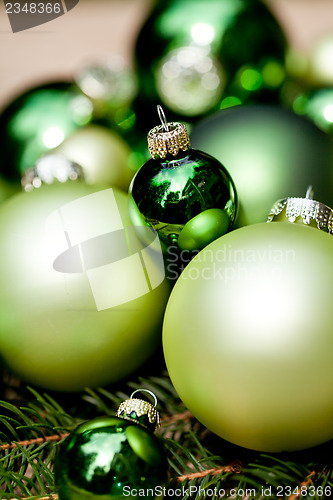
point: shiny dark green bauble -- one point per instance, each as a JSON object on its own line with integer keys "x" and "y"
{"x": 270, "y": 152}
{"x": 38, "y": 121}
{"x": 189, "y": 199}
{"x": 109, "y": 458}
{"x": 193, "y": 56}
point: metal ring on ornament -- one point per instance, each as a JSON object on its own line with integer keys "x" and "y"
{"x": 140, "y": 408}
{"x": 49, "y": 168}
{"x": 307, "y": 208}
{"x": 167, "y": 138}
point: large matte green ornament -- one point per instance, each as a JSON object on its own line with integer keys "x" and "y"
{"x": 38, "y": 121}
{"x": 112, "y": 458}
{"x": 187, "y": 196}
{"x": 194, "y": 56}
{"x": 82, "y": 300}
{"x": 269, "y": 152}
{"x": 252, "y": 310}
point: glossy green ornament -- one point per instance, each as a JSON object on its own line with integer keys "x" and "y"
{"x": 269, "y": 152}
{"x": 194, "y": 56}
{"x": 112, "y": 458}
{"x": 252, "y": 310}
{"x": 38, "y": 121}
{"x": 187, "y": 196}
{"x": 77, "y": 307}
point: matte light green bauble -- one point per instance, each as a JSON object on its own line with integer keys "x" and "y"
{"x": 194, "y": 56}
{"x": 38, "y": 121}
{"x": 104, "y": 156}
{"x": 77, "y": 307}
{"x": 269, "y": 152}
{"x": 248, "y": 340}
{"x": 110, "y": 458}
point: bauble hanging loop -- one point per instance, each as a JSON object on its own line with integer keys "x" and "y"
{"x": 304, "y": 210}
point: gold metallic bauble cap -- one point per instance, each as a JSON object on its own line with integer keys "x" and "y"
{"x": 167, "y": 138}
{"x": 140, "y": 411}
{"x": 305, "y": 208}
{"x": 49, "y": 168}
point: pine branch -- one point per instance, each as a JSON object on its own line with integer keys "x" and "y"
{"x": 29, "y": 442}
{"x": 31, "y": 433}
{"x": 234, "y": 468}
{"x": 309, "y": 480}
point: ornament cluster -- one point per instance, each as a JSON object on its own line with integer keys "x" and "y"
{"x": 110, "y": 195}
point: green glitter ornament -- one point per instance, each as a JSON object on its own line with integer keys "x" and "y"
{"x": 111, "y": 458}
{"x": 187, "y": 196}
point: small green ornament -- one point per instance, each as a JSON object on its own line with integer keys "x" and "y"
{"x": 113, "y": 457}
{"x": 186, "y": 195}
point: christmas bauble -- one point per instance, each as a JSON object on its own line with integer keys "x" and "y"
{"x": 247, "y": 337}
{"x": 185, "y": 195}
{"x": 38, "y": 121}
{"x": 316, "y": 105}
{"x": 81, "y": 301}
{"x": 111, "y": 457}
{"x": 204, "y": 54}
{"x": 103, "y": 155}
{"x": 269, "y": 152}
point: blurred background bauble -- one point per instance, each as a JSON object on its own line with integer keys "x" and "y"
{"x": 194, "y": 56}
{"x": 269, "y": 152}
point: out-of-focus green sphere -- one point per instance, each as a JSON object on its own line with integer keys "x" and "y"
{"x": 77, "y": 307}
{"x": 269, "y": 152}
{"x": 109, "y": 458}
{"x": 37, "y": 121}
{"x": 248, "y": 340}
{"x": 317, "y": 105}
{"x": 321, "y": 61}
{"x": 194, "y": 56}
{"x": 103, "y": 155}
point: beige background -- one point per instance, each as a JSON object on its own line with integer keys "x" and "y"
{"x": 99, "y": 28}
